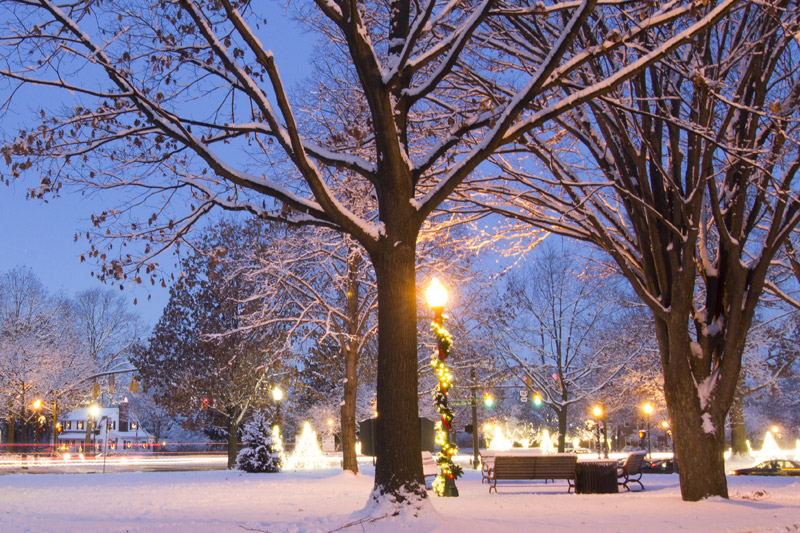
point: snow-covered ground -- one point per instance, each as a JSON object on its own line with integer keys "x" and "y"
{"x": 330, "y": 500}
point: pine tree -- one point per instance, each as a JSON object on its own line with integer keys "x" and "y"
{"x": 260, "y": 453}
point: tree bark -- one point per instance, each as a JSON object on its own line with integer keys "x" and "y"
{"x": 398, "y": 470}
{"x": 233, "y": 441}
{"x": 698, "y": 433}
{"x": 351, "y": 356}
{"x": 562, "y": 429}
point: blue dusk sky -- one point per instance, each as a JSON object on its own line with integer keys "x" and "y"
{"x": 41, "y": 235}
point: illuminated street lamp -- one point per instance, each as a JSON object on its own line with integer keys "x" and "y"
{"x": 597, "y": 412}
{"x": 648, "y": 410}
{"x": 94, "y": 410}
{"x": 665, "y": 427}
{"x": 277, "y": 395}
{"x": 436, "y": 296}
{"x": 445, "y": 482}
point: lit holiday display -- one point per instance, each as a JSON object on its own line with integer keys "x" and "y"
{"x": 444, "y": 484}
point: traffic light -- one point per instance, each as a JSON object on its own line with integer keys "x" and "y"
{"x": 642, "y": 434}
{"x": 488, "y": 399}
{"x": 134, "y": 385}
{"x": 205, "y": 404}
{"x": 468, "y": 429}
{"x": 537, "y": 399}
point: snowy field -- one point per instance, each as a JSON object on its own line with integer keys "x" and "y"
{"x": 330, "y": 500}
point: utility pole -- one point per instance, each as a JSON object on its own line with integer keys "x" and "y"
{"x": 474, "y": 420}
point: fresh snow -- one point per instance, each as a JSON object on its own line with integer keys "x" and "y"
{"x": 332, "y": 500}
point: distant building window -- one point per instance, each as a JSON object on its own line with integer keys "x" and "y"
{"x": 79, "y": 424}
{"x": 134, "y": 425}
{"x": 128, "y": 444}
{"x": 68, "y": 424}
{"x": 113, "y": 424}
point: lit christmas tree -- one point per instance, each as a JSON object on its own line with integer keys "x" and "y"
{"x": 307, "y": 453}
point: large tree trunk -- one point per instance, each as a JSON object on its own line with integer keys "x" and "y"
{"x": 233, "y": 441}
{"x": 349, "y": 461}
{"x": 398, "y": 470}
{"x": 738, "y": 429}
{"x": 562, "y": 428}
{"x": 351, "y": 356}
{"x": 699, "y": 434}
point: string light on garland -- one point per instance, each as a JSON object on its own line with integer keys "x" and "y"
{"x": 444, "y": 484}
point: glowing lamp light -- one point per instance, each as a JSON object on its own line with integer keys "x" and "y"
{"x": 774, "y": 429}
{"x": 94, "y": 410}
{"x": 665, "y": 424}
{"x": 648, "y": 409}
{"x": 277, "y": 394}
{"x": 436, "y": 295}
{"x": 37, "y": 404}
{"x": 597, "y": 411}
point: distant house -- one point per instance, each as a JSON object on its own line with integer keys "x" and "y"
{"x": 113, "y": 429}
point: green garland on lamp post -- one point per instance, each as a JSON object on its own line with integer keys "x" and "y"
{"x": 444, "y": 484}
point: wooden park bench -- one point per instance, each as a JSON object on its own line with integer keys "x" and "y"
{"x": 531, "y": 467}
{"x": 430, "y": 468}
{"x": 631, "y": 467}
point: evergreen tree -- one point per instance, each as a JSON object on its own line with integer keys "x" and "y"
{"x": 260, "y": 452}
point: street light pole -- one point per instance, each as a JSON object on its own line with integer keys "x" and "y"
{"x": 475, "y": 440}
{"x": 277, "y": 395}
{"x": 445, "y": 482}
{"x": 648, "y": 410}
{"x": 597, "y": 412}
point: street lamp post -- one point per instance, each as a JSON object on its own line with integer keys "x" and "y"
{"x": 597, "y": 412}
{"x": 277, "y": 395}
{"x": 94, "y": 410}
{"x": 648, "y": 410}
{"x": 54, "y": 439}
{"x": 445, "y": 482}
{"x": 36, "y": 406}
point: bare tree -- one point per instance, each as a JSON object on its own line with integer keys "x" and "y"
{"x": 42, "y": 356}
{"x": 547, "y": 328}
{"x": 319, "y": 285}
{"x": 109, "y": 330}
{"x": 687, "y": 177}
{"x": 180, "y": 99}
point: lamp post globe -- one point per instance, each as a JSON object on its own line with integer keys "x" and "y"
{"x": 436, "y": 296}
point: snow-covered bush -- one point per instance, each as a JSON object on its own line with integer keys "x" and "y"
{"x": 260, "y": 452}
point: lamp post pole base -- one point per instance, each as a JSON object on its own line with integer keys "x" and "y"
{"x": 450, "y": 489}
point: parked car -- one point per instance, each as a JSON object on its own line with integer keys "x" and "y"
{"x": 658, "y": 466}
{"x": 774, "y": 467}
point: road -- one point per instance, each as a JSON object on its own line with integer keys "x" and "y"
{"x": 13, "y": 464}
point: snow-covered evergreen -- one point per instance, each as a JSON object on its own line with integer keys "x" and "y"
{"x": 260, "y": 453}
